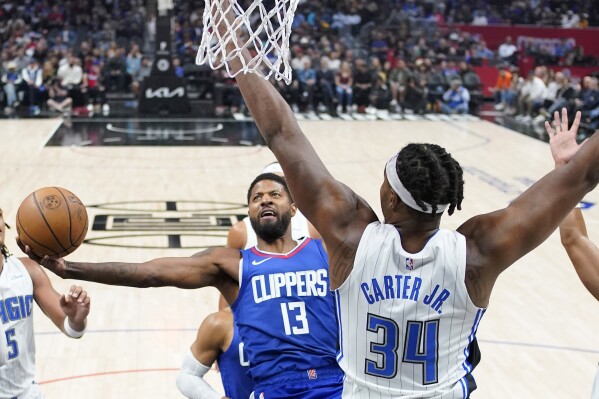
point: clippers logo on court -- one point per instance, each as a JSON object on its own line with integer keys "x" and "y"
{"x": 163, "y": 224}
{"x": 409, "y": 264}
{"x": 51, "y": 202}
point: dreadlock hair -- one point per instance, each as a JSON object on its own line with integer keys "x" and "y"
{"x": 431, "y": 175}
{"x": 5, "y": 251}
{"x": 269, "y": 176}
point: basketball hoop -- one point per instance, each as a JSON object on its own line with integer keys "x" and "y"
{"x": 264, "y": 31}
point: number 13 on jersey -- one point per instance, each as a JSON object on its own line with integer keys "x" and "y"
{"x": 294, "y": 318}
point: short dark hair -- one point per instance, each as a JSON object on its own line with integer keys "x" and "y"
{"x": 431, "y": 175}
{"x": 269, "y": 176}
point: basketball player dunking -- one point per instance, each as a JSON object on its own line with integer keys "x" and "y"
{"x": 279, "y": 291}
{"x": 21, "y": 282}
{"x": 583, "y": 254}
{"x": 410, "y": 295}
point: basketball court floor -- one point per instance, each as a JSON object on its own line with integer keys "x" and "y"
{"x": 174, "y": 188}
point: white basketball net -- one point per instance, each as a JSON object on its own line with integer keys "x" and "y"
{"x": 264, "y": 32}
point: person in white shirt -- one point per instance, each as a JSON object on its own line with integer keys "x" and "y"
{"x": 71, "y": 77}
{"x": 532, "y": 95}
{"x": 70, "y": 74}
{"x": 507, "y": 51}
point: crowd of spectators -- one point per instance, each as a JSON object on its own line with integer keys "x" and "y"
{"x": 534, "y": 98}
{"x": 64, "y": 54}
{"x": 350, "y": 55}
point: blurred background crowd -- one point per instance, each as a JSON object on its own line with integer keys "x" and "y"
{"x": 418, "y": 56}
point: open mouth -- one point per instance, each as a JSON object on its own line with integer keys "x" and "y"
{"x": 268, "y": 214}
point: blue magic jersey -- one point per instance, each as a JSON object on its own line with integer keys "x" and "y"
{"x": 234, "y": 366}
{"x": 286, "y": 312}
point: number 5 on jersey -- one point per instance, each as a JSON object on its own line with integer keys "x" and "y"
{"x": 13, "y": 349}
{"x": 294, "y": 318}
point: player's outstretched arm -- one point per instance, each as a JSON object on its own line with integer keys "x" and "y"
{"x": 496, "y": 240}
{"x": 581, "y": 251}
{"x": 213, "y": 336}
{"x": 217, "y": 267}
{"x": 68, "y": 311}
{"x": 331, "y": 206}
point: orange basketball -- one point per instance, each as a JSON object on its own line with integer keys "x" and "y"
{"x": 52, "y": 221}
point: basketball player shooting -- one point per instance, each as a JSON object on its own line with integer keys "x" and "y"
{"x": 410, "y": 295}
{"x": 21, "y": 282}
{"x": 278, "y": 291}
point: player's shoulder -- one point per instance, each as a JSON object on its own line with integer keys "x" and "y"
{"x": 237, "y": 235}
{"x": 35, "y": 271}
{"x": 31, "y": 266}
{"x": 219, "y": 254}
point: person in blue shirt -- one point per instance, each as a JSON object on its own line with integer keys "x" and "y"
{"x": 279, "y": 292}
{"x": 456, "y": 99}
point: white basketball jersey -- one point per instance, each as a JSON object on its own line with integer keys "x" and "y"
{"x": 299, "y": 229}
{"x": 405, "y": 320}
{"x": 16, "y": 316}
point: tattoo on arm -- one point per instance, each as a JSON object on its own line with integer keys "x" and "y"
{"x": 111, "y": 273}
{"x": 476, "y": 286}
{"x": 342, "y": 262}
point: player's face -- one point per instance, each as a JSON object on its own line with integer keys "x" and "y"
{"x": 270, "y": 210}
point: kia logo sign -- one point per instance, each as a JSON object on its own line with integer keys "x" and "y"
{"x": 165, "y": 92}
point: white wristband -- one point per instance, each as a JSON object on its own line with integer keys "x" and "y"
{"x": 72, "y": 333}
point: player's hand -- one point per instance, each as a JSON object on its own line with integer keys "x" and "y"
{"x": 55, "y": 265}
{"x": 225, "y": 18}
{"x": 75, "y": 304}
{"x": 562, "y": 140}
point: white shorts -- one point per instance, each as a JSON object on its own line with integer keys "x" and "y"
{"x": 33, "y": 392}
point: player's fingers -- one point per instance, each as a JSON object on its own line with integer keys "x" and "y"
{"x": 63, "y": 300}
{"x": 576, "y": 122}
{"x": 564, "y": 119}
{"x": 77, "y": 291}
{"x": 556, "y": 122}
{"x": 67, "y": 298}
{"x": 549, "y": 129}
{"x": 86, "y": 302}
{"x": 82, "y": 297}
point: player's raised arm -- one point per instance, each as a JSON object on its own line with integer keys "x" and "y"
{"x": 331, "y": 206}
{"x": 498, "y": 239}
{"x": 581, "y": 251}
{"x": 217, "y": 267}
